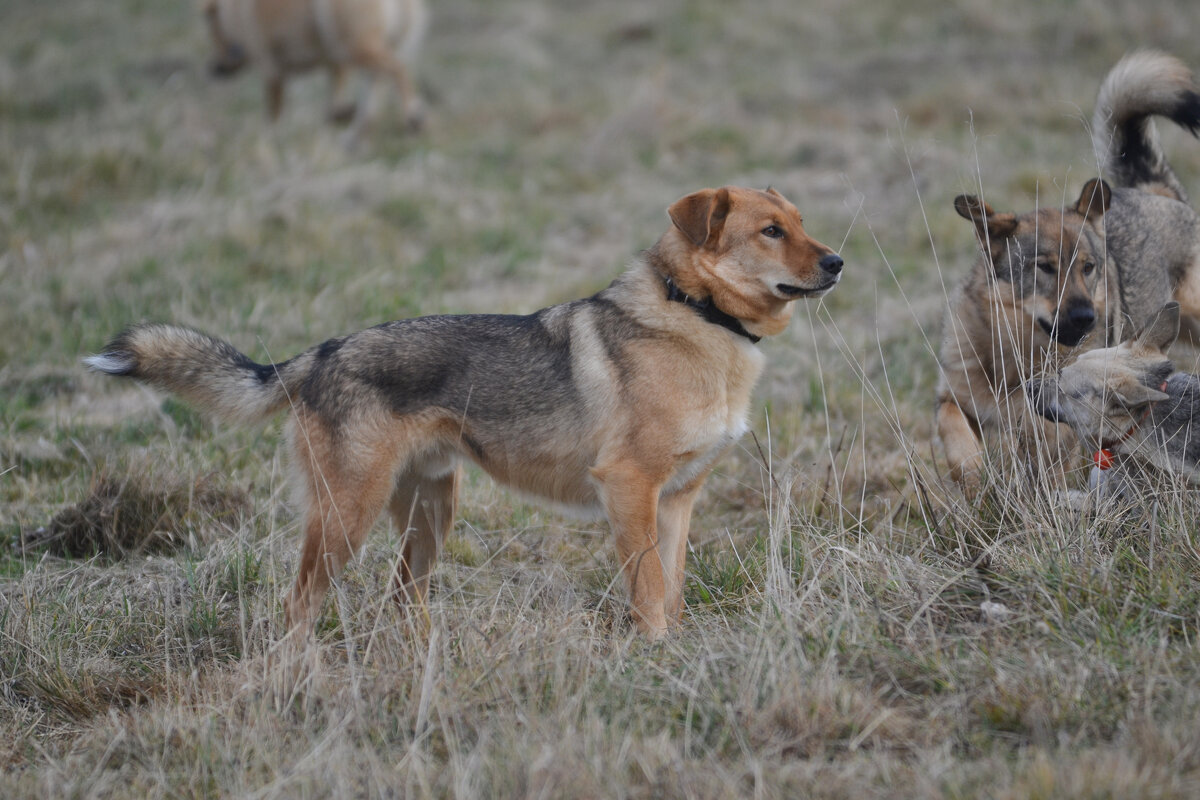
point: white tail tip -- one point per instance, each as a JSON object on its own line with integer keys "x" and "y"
{"x": 112, "y": 363}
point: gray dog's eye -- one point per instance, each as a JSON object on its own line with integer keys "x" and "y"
{"x": 1045, "y": 266}
{"x": 1089, "y": 267}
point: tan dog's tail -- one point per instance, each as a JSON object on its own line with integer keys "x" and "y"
{"x": 205, "y": 371}
{"x": 1143, "y": 85}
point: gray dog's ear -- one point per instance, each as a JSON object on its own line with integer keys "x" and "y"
{"x": 700, "y": 215}
{"x": 1094, "y": 200}
{"x": 1136, "y": 395}
{"x": 988, "y": 224}
{"x": 1163, "y": 331}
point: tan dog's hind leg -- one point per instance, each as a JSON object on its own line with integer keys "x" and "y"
{"x": 964, "y": 451}
{"x": 674, "y": 520}
{"x": 631, "y": 502}
{"x": 424, "y": 508}
{"x": 344, "y": 490}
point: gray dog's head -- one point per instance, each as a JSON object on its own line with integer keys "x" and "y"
{"x": 1105, "y": 393}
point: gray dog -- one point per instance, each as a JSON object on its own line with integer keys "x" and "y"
{"x": 1129, "y": 406}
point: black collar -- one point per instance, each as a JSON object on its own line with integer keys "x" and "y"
{"x": 710, "y": 312}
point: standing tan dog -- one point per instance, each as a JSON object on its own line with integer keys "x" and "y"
{"x": 618, "y": 404}
{"x": 1053, "y": 281}
{"x": 379, "y": 37}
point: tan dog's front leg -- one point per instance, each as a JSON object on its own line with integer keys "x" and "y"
{"x": 341, "y": 498}
{"x": 336, "y": 523}
{"x": 631, "y": 502}
{"x": 674, "y": 519}
{"x": 964, "y": 451}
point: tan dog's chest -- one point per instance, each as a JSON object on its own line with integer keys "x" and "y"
{"x": 695, "y": 462}
{"x": 718, "y": 393}
{"x": 568, "y": 481}
{"x": 683, "y": 418}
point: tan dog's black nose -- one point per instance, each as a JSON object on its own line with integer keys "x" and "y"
{"x": 831, "y": 263}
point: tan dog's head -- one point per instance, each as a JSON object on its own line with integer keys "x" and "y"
{"x": 1104, "y": 393}
{"x": 748, "y": 252}
{"x": 1053, "y": 259}
{"x": 229, "y": 56}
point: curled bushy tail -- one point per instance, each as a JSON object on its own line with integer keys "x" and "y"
{"x": 205, "y": 371}
{"x": 1143, "y": 85}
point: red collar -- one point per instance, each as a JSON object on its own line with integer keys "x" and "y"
{"x": 1103, "y": 457}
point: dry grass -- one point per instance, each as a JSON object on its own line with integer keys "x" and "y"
{"x": 138, "y": 513}
{"x": 854, "y": 629}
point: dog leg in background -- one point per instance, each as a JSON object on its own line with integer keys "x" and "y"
{"x": 366, "y": 109}
{"x": 424, "y": 509}
{"x": 274, "y": 94}
{"x": 631, "y": 503}
{"x": 375, "y": 62}
{"x": 340, "y": 111}
{"x": 674, "y": 520}
{"x": 411, "y": 106}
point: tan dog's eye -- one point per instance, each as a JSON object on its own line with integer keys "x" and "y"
{"x": 773, "y": 232}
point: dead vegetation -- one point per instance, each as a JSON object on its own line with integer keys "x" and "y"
{"x": 138, "y": 513}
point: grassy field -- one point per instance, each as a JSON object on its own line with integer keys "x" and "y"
{"x": 854, "y": 629}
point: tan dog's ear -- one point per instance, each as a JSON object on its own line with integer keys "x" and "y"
{"x": 1163, "y": 331}
{"x": 700, "y": 215}
{"x": 1094, "y": 200}
{"x": 988, "y": 224}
